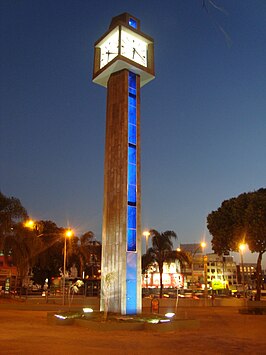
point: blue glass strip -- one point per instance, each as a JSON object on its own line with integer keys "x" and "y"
{"x": 131, "y": 281}
{"x": 132, "y": 154}
{"x": 132, "y": 100}
{"x": 131, "y": 255}
{"x": 131, "y": 217}
{"x": 131, "y": 241}
{"x": 132, "y": 194}
{"x": 132, "y": 134}
{"x": 132, "y": 114}
{"x": 132, "y": 91}
{"x": 132, "y": 174}
{"x": 132, "y": 80}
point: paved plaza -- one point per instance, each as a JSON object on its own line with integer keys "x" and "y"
{"x": 222, "y": 330}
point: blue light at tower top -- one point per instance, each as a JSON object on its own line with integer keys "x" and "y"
{"x": 132, "y": 22}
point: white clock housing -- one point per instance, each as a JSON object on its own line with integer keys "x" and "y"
{"x": 133, "y": 46}
{"x": 109, "y": 47}
{"x": 123, "y": 47}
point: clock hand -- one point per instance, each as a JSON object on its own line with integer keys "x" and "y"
{"x": 108, "y": 53}
{"x": 135, "y": 51}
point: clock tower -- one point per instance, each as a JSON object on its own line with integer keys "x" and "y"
{"x": 123, "y": 63}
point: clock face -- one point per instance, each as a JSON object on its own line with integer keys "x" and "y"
{"x": 109, "y": 48}
{"x": 133, "y": 47}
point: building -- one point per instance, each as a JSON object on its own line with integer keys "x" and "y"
{"x": 249, "y": 272}
{"x": 172, "y": 276}
{"x": 221, "y": 272}
{"x": 8, "y": 273}
{"x": 193, "y": 273}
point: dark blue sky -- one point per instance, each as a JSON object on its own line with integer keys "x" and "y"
{"x": 202, "y": 119}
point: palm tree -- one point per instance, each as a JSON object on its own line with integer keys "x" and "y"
{"x": 91, "y": 248}
{"x": 85, "y": 252}
{"x": 84, "y": 249}
{"x": 162, "y": 251}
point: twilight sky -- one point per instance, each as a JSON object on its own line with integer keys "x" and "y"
{"x": 202, "y": 119}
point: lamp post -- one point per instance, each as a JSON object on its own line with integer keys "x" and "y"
{"x": 146, "y": 235}
{"x": 68, "y": 234}
{"x": 242, "y": 247}
{"x": 205, "y": 259}
{"x": 202, "y": 246}
{"x": 178, "y": 251}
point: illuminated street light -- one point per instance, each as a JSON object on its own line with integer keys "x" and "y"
{"x": 202, "y": 246}
{"x": 68, "y": 234}
{"x": 205, "y": 259}
{"x": 242, "y": 247}
{"x": 34, "y": 226}
{"x": 146, "y": 235}
{"x": 29, "y": 224}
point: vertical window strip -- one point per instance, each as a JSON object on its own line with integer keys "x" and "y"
{"x": 132, "y": 164}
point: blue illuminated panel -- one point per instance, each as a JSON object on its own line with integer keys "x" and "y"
{"x": 131, "y": 239}
{"x": 131, "y": 174}
{"x": 132, "y": 22}
{"x": 132, "y": 118}
{"x": 131, "y": 221}
{"x": 132, "y": 100}
{"x": 132, "y": 163}
{"x": 132, "y": 133}
{"x": 132, "y": 154}
{"x": 131, "y": 275}
{"x": 132, "y": 195}
{"x": 132, "y": 159}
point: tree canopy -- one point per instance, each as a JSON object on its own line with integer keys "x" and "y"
{"x": 40, "y": 249}
{"x": 11, "y": 212}
{"x": 238, "y": 220}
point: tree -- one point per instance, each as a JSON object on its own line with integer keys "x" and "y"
{"x": 85, "y": 252}
{"x": 162, "y": 251}
{"x": 11, "y": 213}
{"x": 85, "y": 249}
{"x": 237, "y": 220}
{"x": 15, "y": 239}
{"x": 24, "y": 247}
{"x": 50, "y": 257}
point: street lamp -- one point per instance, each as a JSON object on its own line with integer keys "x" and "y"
{"x": 34, "y": 226}
{"x": 202, "y": 246}
{"x": 68, "y": 234}
{"x": 205, "y": 259}
{"x": 29, "y": 224}
{"x": 146, "y": 235}
{"x": 242, "y": 247}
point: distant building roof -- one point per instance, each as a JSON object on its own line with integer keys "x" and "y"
{"x": 192, "y": 248}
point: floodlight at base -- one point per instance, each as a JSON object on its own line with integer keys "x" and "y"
{"x": 169, "y": 315}
{"x": 87, "y": 310}
{"x": 59, "y": 316}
